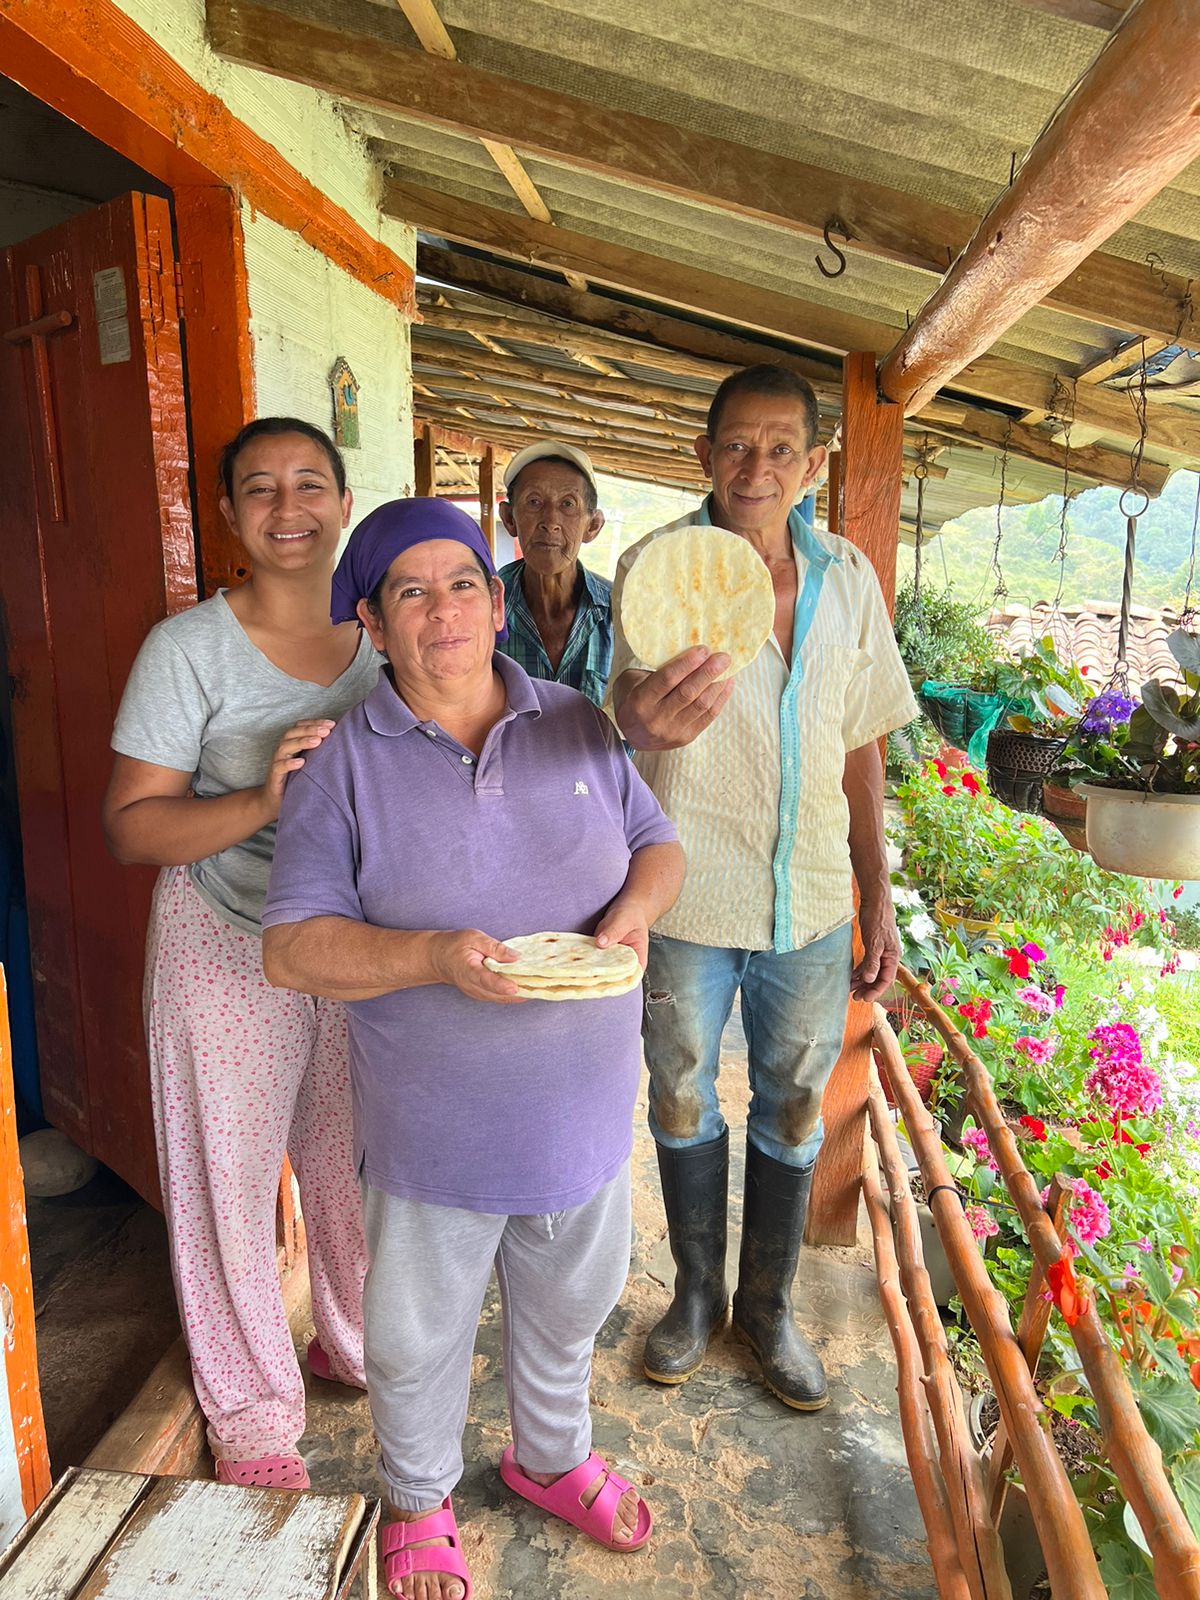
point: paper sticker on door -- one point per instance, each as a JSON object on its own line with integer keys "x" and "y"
{"x": 112, "y": 319}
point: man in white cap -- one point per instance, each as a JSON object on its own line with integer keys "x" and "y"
{"x": 559, "y": 614}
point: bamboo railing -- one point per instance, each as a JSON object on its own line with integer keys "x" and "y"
{"x": 960, "y": 1501}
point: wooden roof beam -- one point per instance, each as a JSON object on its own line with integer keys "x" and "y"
{"x": 429, "y": 28}
{"x": 1129, "y": 126}
{"x": 651, "y": 330}
{"x": 681, "y": 462}
{"x": 681, "y": 162}
{"x": 695, "y": 289}
{"x": 428, "y": 354}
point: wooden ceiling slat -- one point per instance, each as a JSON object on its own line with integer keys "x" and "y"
{"x": 654, "y": 329}
{"x": 994, "y": 377}
{"x": 681, "y": 162}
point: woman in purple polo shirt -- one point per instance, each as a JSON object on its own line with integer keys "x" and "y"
{"x": 464, "y": 796}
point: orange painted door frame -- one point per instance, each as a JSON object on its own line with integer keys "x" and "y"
{"x": 870, "y": 480}
{"x": 18, "y": 1349}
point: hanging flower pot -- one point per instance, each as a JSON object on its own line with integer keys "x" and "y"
{"x": 1067, "y": 810}
{"x": 1148, "y": 835}
{"x": 1018, "y": 765}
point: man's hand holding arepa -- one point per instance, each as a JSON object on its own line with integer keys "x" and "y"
{"x": 668, "y": 708}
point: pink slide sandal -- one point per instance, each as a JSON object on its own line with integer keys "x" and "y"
{"x": 564, "y": 1499}
{"x": 318, "y": 1365}
{"x": 399, "y": 1561}
{"x": 265, "y": 1472}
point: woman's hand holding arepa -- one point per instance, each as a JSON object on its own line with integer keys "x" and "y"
{"x": 625, "y": 922}
{"x": 457, "y": 959}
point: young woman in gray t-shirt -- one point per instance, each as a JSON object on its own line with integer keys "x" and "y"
{"x": 222, "y": 704}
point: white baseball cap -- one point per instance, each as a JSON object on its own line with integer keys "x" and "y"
{"x": 543, "y": 449}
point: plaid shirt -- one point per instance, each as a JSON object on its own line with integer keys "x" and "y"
{"x": 587, "y": 658}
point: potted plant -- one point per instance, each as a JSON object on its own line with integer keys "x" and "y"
{"x": 951, "y": 660}
{"x": 1140, "y": 766}
{"x": 1044, "y": 695}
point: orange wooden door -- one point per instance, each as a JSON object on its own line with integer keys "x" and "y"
{"x": 96, "y": 544}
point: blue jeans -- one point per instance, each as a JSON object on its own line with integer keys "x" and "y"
{"x": 794, "y": 1015}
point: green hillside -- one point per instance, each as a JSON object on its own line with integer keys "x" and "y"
{"x": 1095, "y": 549}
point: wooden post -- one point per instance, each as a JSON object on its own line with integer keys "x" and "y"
{"x": 872, "y": 456}
{"x": 487, "y": 497}
{"x": 425, "y": 460}
{"x": 834, "y": 492}
{"x": 1124, "y": 131}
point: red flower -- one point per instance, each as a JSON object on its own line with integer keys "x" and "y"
{"x": 948, "y": 788}
{"x": 1072, "y": 1300}
{"x": 1177, "y": 891}
{"x": 941, "y": 769}
{"x": 977, "y": 1013}
{"x": 970, "y": 782}
{"x": 1018, "y": 962}
{"x": 1035, "y": 1128}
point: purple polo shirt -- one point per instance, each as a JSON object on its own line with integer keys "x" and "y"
{"x": 516, "y": 1110}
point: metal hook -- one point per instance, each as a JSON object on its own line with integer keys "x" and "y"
{"x": 834, "y": 225}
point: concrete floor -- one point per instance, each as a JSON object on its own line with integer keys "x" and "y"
{"x": 749, "y": 1498}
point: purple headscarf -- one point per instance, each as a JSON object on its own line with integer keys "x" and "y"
{"x": 388, "y": 532}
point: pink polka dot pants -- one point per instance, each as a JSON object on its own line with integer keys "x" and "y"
{"x": 241, "y": 1073}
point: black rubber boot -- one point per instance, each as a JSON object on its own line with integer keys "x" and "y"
{"x": 695, "y": 1186}
{"x": 776, "y": 1205}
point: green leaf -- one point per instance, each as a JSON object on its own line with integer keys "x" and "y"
{"x": 1185, "y": 1475}
{"x": 1185, "y": 647}
{"x": 1126, "y": 1573}
{"x": 1171, "y": 1412}
{"x": 1161, "y": 700}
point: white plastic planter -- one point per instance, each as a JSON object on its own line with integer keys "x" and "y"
{"x": 1148, "y": 835}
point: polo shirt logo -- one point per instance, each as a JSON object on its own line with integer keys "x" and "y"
{"x": 581, "y": 787}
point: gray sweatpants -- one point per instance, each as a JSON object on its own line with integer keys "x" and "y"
{"x": 559, "y": 1275}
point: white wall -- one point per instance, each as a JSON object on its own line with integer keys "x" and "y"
{"x": 302, "y": 124}
{"x": 304, "y": 313}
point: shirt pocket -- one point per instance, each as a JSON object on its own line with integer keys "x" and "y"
{"x": 829, "y": 673}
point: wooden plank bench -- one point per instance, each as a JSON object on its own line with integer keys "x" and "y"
{"x": 125, "y": 1536}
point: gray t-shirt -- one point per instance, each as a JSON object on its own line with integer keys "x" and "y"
{"x": 203, "y": 700}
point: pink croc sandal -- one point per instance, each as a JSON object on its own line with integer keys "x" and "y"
{"x": 565, "y": 1499}
{"x": 400, "y": 1561}
{"x": 265, "y": 1472}
{"x": 319, "y": 1366}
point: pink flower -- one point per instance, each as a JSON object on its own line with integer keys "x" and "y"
{"x": 1128, "y": 1089}
{"x": 1033, "y": 951}
{"x": 1089, "y": 1215}
{"x": 976, "y": 1141}
{"x": 1039, "y": 1051}
{"x": 1060, "y": 990}
{"x": 1144, "y": 1245}
{"x": 1129, "y": 1271}
{"x": 1176, "y": 1273}
{"x": 1036, "y": 999}
{"x": 1127, "y": 1086}
{"x": 982, "y": 1224}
